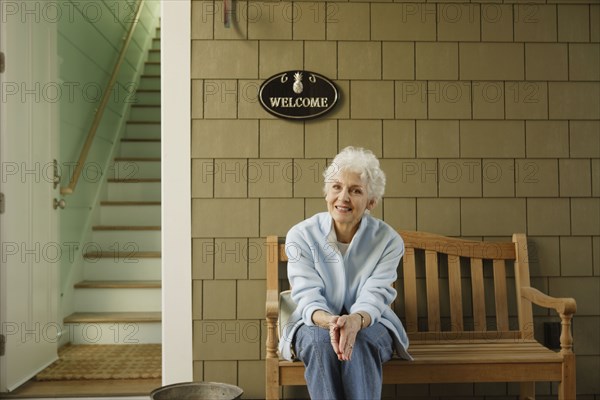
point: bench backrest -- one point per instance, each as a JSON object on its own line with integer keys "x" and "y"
{"x": 451, "y": 289}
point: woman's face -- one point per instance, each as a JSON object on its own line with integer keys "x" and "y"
{"x": 347, "y": 199}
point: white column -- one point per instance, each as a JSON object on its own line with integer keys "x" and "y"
{"x": 177, "y": 362}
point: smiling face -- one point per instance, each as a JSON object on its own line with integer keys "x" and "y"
{"x": 347, "y": 199}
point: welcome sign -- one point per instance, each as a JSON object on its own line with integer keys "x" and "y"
{"x": 298, "y": 95}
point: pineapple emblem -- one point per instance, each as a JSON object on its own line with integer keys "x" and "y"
{"x": 298, "y": 87}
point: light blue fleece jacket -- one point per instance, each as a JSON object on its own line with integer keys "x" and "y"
{"x": 361, "y": 280}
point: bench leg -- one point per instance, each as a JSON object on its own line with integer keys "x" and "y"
{"x": 272, "y": 379}
{"x": 567, "y": 387}
{"x": 527, "y": 391}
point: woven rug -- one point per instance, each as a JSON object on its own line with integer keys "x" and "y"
{"x": 125, "y": 361}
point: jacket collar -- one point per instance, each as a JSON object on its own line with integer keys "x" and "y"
{"x": 326, "y": 225}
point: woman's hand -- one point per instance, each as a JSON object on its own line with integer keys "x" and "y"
{"x": 342, "y": 330}
{"x": 327, "y": 321}
{"x": 334, "y": 335}
{"x": 348, "y": 327}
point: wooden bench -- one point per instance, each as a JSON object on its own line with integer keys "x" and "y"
{"x": 453, "y": 299}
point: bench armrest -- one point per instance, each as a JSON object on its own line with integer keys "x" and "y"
{"x": 272, "y": 305}
{"x": 565, "y": 307}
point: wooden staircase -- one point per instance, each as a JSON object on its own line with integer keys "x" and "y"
{"x": 119, "y": 300}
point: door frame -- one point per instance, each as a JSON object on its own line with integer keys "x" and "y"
{"x": 177, "y": 327}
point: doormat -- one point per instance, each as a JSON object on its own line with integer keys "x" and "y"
{"x": 120, "y": 361}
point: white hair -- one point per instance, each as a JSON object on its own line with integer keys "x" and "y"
{"x": 361, "y": 161}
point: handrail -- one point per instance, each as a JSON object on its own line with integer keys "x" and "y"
{"x": 100, "y": 110}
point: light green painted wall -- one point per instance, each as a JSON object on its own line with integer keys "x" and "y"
{"x": 90, "y": 36}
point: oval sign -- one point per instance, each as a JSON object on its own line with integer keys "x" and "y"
{"x": 298, "y": 95}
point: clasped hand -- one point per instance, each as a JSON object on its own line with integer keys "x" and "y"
{"x": 342, "y": 332}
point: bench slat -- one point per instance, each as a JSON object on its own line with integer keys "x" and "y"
{"x": 455, "y": 286}
{"x": 399, "y": 373}
{"x": 410, "y": 290}
{"x": 481, "y": 352}
{"x": 500, "y": 295}
{"x": 458, "y": 247}
{"x": 402, "y": 372}
{"x": 433, "y": 290}
{"x": 449, "y": 336}
{"x": 478, "y": 294}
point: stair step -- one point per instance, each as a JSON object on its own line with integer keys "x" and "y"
{"x": 147, "y": 96}
{"x": 154, "y": 123}
{"x": 94, "y": 255}
{"x": 141, "y": 140}
{"x": 154, "y": 55}
{"x": 140, "y": 129}
{"x": 140, "y": 149}
{"x": 122, "y": 267}
{"x": 137, "y": 191}
{"x": 118, "y": 285}
{"x": 99, "y": 317}
{"x": 126, "y": 241}
{"x": 145, "y": 112}
{"x": 140, "y": 215}
{"x": 125, "y": 228}
{"x": 137, "y": 159}
{"x": 108, "y": 299}
{"x": 133, "y": 180}
{"x": 146, "y": 106}
{"x": 130, "y": 203}
{"x": 152, "y": 66}
{"x": 135, "y": 167}
{"x": 113, "y": 327}
{"x": 150, "y": 82}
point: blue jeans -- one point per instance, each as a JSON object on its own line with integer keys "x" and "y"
{"x": 331, "y": 379}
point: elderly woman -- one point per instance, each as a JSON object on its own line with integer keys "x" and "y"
{"x": 341, "y": 267}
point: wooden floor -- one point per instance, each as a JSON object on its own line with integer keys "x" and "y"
{"x": 81, "y": 388}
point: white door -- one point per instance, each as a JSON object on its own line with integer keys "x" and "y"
{"x": 30, "y": 250}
